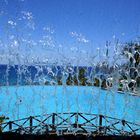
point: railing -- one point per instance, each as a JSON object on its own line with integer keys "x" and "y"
{"x": 71, "y": 123}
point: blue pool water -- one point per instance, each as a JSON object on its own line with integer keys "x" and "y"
{"x": 23, "y": 101}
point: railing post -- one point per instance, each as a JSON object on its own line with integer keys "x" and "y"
{"x": 123, "y": 125}
{"x": 31, "y": 124}
{"x": 0, "y": 128}
{"x": 53, "y": 122}
{"x": 10, "y": 126}
{"x": 75, "y": 125}
{"x": 100, "y": 123}
{"x": 76, "y": 119}
{"x": 123, "y": 122}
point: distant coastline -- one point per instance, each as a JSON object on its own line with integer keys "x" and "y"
{"x": 24, "y": 75}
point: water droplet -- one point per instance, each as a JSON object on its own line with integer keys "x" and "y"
{"x": 12, "y": 23}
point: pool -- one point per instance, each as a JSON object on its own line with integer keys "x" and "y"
{"x": 23, "y": 101}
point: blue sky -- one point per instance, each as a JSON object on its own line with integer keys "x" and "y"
{"x": 95, "y": 21}
{"x": 98, "y": 20}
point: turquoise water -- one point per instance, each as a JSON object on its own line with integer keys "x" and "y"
{"x": 23, "y": 101}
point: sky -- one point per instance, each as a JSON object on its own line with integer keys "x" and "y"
{"x": 70, "y": 24}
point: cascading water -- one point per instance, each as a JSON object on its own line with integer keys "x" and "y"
{"x": 56, "y": 82}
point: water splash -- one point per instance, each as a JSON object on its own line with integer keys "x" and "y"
{"x": 39, "y": 76}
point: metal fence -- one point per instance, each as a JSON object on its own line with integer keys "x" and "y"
{"x": 72, "y": 123}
